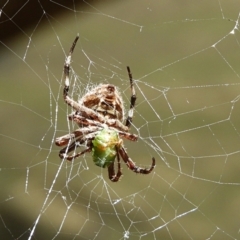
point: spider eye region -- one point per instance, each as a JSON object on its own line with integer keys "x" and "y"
{"x": 105, "y": 146}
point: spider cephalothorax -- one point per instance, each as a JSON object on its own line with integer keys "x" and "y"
{"x": 100, "y": 115}
{"x": 106, "y": 100}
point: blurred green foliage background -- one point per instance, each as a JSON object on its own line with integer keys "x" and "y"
{"x": 185, "y": 58}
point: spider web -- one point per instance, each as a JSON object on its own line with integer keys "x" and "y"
{"x": 184, "y": 58}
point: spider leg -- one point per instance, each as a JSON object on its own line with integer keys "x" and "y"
{"x": 111, "y": 172}
{"x": 131, "y": 165}
{"x": 64, "y": 152}
{"x": 67, "y": 68}
{"x": 64, "y": 140}
{"x": 132, "y": 100}
{"x": 81, "y": 120}
{"x": 129, "y": 136}
{"x": 75, "y": 105}
{"x": 87, "y": 138}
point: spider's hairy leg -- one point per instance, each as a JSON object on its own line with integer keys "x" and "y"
{"x": 67, "y": 67}
{"x": 132, "y": 100}
{"x": 111, "y": 172}
{"x": 99, "y": 121}
{"x": 64, "y": 140}
{"x": 129, "y": 136}
{"x": 85, "y": 139}
{"x": 80, "y": 108}
{"x": 67, "y": 64}
{"x": 63, "y": 154}
{"x": 131, "y": 165}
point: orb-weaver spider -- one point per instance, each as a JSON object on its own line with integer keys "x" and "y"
{"x": 100, "y": 115}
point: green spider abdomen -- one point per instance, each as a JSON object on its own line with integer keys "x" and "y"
{"x": 105, "y": 146}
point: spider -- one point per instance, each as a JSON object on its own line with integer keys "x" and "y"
{"x": 100, "y": 116}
